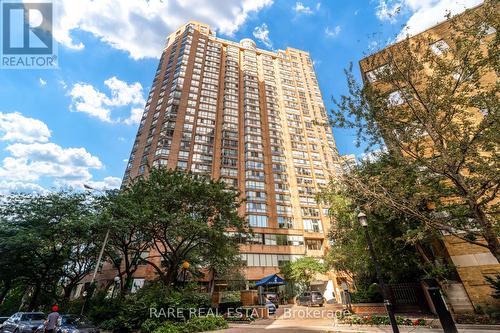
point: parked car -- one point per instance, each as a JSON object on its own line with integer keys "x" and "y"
{"x": 23, "y": 322}
{"x": 270, "y": 307}
{"x": 273, "y": 297}
{"x": 310, "y": 298}
{"x": 2, "y": 320}
{"x": 73, "y": 324}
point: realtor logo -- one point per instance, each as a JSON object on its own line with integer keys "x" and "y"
{"x": 26, "y": 35}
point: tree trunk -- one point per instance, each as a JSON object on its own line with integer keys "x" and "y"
{"x": 67, "y": 291}
{"x": 171, "y": 276}
{"x": 6, "y": 288}
{"x": 34, "y": 297}
{"x": 212, "y": 282}
{"x": 489, "y": 233}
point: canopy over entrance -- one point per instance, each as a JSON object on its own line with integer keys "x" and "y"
{"x": 271, "y": 280}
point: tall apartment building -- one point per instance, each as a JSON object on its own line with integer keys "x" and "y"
{"x": 472, "y": 263}
{"x": 254, "y": 119}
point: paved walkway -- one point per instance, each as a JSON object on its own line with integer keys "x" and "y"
{"x": 297, "y": 319}
{"x": 292, "y": 326}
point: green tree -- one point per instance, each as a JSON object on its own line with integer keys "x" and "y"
{"x": 494, "y": 282}
{"x": 125, "y": 217}
{"x": 302, "y": 271}
{"x": 437, "y": 112}
{"x": 41, "y": 234}
{"x": 406, "y": 257}
{"x": 186, "y": 218}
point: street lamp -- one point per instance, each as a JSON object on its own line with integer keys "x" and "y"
{"x": 117, "y": 285}
{"x": 363, "y": 220}
{"x": 185, "y": 267}
{"x": 99, "y": 259}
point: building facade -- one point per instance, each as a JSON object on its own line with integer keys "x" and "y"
{"x": 254, "y": 119}
{"x": 472, "y": 262}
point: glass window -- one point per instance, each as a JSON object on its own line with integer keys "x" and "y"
{"x": 314, "y": 244}
{"x": 257, "y": 221}
{"x": 439, "y": 47}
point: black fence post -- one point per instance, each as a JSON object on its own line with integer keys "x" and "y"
{"x": 442, "y": 310}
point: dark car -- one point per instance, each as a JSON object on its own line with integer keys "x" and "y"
{"x": 273, "y": 297}
{"x": 2, "y": 320}
{"x": 73, "y": 324}
{"x": 270, "y": 307}
{"x": 23, "y": 322}
{"x": 310, "y": 298}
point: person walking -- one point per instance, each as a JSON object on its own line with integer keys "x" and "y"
{"x": 52, "y": 321}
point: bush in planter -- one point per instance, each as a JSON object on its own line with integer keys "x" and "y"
{"x": 231, "y": 296}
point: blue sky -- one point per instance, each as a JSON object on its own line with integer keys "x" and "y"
{"x": 76, "y": 124}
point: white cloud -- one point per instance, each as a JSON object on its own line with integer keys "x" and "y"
{"x": 42, "y": 82}
{"x": 107, "y": 183}
{"x": 262, "y": 34}
{"x": 388, "y": 10}
{"x": 135, "y": 117}
{"x": 423, "y": 13}
{"x": 332, "y": 33}
{"x": 32, "y": 160}
{"x": 85, "y": 98}
{"x": 17, "y": 186}
{"x": 300, "y": 8}
{"x": 16, "y": 127}
{"x": 140, "y": 27}
{"x": 88, "y": 99}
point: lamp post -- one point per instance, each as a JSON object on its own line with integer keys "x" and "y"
{"x": 101, "y": 253}
{"x": 387, "y": 302}
{"x": 116, "y": 286}
{"x": 185, "y": 267}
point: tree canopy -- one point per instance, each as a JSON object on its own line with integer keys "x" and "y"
{"x": 434, "y": 106}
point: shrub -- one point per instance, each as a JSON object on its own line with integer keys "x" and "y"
{"x": 150, "y": 325}
{"x": 118, "y": 325}
{"x": 231, "y": 297}
{"x": 370, "y": 294}
{"x": 196, "y": 324}
{"x": 168, "y": 327}
{"x": 202, "y": 324}
{"x": 495, "y": 284}
{"x": 131, "y": 311}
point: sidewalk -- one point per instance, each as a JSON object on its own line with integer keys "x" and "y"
{"x": 321, "y": 325}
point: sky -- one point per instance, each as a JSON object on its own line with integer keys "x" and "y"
{"x": 75, "y": 125}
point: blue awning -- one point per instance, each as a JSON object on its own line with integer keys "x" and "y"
{"x": 271, "y": 280}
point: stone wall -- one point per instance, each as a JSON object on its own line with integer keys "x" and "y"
{"x": 473, "y": 263}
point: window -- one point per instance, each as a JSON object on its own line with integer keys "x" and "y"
{"x": 254, "y": 207}
{"x": 311, "y": 225}
{"x": 395, "y": 98}
{"x": 255, "y": 239}
{"x": 182, "y": 165}
{"x": 439, "y": 47}
{"x": 270, "y": 239}
{"x": 376, "y": 73}
{"x": 136, "y": 285}
{"x": 487, "y": 29}
{"x": 257, "y": 221}
{"x": 314, "y": 244}
{"x": 285, "y": 222}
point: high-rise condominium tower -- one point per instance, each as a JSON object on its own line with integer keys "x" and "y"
{"x": 254, "y": 119}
